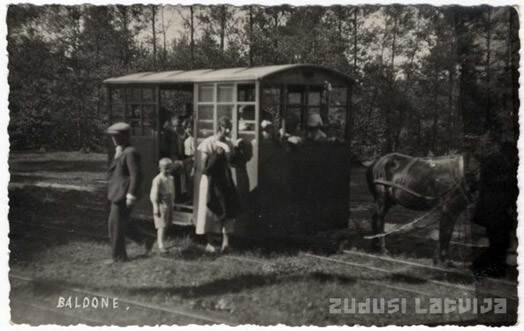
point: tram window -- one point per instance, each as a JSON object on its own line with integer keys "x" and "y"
{"x": 271, "y": 96}
{"x": 313, "y": 98}
{"x": 246, "y": 92}
{"x": 225, "y": 111}
{"x": 117, "y": 119}
{"x": 294, "y": 98}
{"x": 135, "y": 127}
{"x": 117, "y": 95}
{"x": 148, "y": 95}
{"x": 205, "y": 112}
{"x": 205, "y": 93}
{"x": 117, "y": 111}
{"x": 132, "y": 112}
{"x": 148, "y": 120}
{"x": 294, "y": 120}
{"x": 132, "y": 94}
{"x": 225, "y": 93}
{"x": 205, "y": 129}
{"x": 246, "y": 113}
{"x": 246, "y": 118}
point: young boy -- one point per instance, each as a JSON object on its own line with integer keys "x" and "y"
{"x": 163, "y": 197}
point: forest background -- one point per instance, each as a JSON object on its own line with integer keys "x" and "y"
{"x": 427, "y": 79}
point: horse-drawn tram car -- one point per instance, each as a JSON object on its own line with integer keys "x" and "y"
{"x": 294, "y": 122}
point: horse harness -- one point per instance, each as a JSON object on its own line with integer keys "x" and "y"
{"x": 461, "y": 183}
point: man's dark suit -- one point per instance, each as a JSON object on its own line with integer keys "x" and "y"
{"x": 124, "y": 177}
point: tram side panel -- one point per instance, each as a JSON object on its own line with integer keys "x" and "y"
{"x": 302, "y": 189}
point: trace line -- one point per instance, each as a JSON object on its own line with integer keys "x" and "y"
{"x": 419, "y": 265}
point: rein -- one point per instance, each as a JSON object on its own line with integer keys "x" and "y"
{"x": 418, "y": 219}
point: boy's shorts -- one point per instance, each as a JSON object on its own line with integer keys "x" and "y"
{"x": 164, "y": 220}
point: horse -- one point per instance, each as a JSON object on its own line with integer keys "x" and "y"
{"x": 421, "y": 184}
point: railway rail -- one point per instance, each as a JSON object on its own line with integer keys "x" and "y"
{"x": 470, "y": 289}
{"x": 32, "y": 309}
{"x": 452, "y": 282}
{"x": 448, "y": 273}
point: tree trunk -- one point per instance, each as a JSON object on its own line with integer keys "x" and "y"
{"x": 125, "y": 28}
{"x": 153, "y": 12}
{"x": 434, "y": 127}
{"x": 393, "y": 44}
{"x": 192, "y": 33}
{"x": 223, "y": 18}
{"x": 488, "y": 124}
{"x": 451, "y": 71}
{"x": 355, "y": 39}
{"x": 164, "y": 53}
{"x": 250, "y": 36}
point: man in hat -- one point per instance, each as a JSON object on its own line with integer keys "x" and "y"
{"x": 124, "y": 177}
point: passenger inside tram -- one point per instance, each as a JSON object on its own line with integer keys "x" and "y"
{"x": 314, "y": 128}
{"x": 291, "y": 131}
{"x": 267, "y": 132}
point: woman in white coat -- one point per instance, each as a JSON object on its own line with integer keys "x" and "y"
{"x": 218, "y": 202}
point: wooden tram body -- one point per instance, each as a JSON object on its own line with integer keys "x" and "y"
{"x": 284, "y": 188}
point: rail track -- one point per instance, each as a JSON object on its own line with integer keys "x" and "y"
{"x": 34, "y": 311}
{"x": 449, "y": 274}
{"x": 452, "y": 281}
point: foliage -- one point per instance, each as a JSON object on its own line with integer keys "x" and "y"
{"x": 425, "y": 77}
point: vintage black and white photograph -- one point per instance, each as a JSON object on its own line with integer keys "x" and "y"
{"x": 298, "y": 165}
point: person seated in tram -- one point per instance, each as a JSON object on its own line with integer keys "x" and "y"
{"x": 291, "y": 133}
{"x": 314, "y": 128}
{"x": 245, "y": 113}
{"x": 267, "y": 131}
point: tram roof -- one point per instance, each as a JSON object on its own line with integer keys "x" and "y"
{"x": 220, "y": 75}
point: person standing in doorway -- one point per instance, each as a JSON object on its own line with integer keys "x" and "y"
{"x": 179, "y": 158}
{"x": 218, "y": 202}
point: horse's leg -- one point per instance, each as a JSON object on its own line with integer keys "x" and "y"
{"x": 378, "y": 222}
{"x": 447, "y": 225}
{"x": 374, "y": 223}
